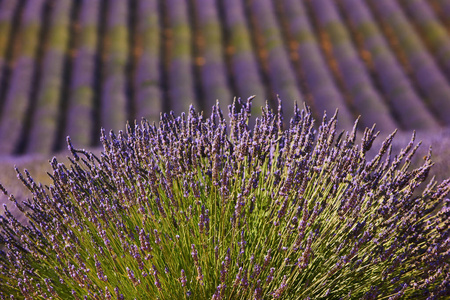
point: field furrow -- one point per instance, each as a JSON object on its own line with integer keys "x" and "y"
{"x": 179, "y": 60}
{"x": 211, "y": 59}
{"x": 444, "y": 10}
{"x": 147, "y": 77}
{"x": 17, "y": 99}
{"x": 319, "y": 78}
{"x": 410, "y": 110}
{"x": 280, "y": 72}
{"x": 243, "y": 64}
{"x": 7, "y": 14}
{"x": 114, "y": 106}
{"x": 366, "y": 99}
{"x": 45, "y": 115}
{"x": 428, "y": 76}
{"x": 80, "y": 106}
{"x": 432, "y": 31}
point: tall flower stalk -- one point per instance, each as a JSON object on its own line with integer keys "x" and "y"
{"x": 204, "y": 209}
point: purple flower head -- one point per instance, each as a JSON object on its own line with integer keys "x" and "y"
{"x": 279, "y": 292}
{"x": 267, "y": 258}
{"x": 216, "y": 252}
{"x": 270, "y": 276}
{"x": 132, "y": 277}
{"x": 99, "y": 268}
{"x": 183, "y": 278}
{"x": 257, "y": 294}
{"x": 194, "y": 254}
{"x": 244, "y": 280}
{"x": 228, "y": 258}
{"x": 238, "y": 277}
{"x": 223, "y": 272}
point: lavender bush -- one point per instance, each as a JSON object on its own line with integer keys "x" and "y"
{"x": 198, "y": 208}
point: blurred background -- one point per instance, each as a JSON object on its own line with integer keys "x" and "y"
{"x": 70, "y": 67}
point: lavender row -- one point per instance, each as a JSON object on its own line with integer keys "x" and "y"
{"x": 16, "y": 102}
{"x": 213, "y": 70}
{"x": 280, "y": 73}
{"x": 410, "y": 110}
{"x": 243, "y": 64}
{"x": 80, "y": 107}
{"x": 7, "y": 9}
{"x": 433, "y": 31}
{"x": 147, "y": 79}
{"x": 444, "y": 6}
{"x": 366, "y": 99}
{"x": 114, "y": 105}
{"x": 46, "y": 113}
{"x": 429, "y": 78}
{"x": 179, "y": 64}
{"x": 319, "y": 78}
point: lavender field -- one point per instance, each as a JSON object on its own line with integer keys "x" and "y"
{"x": 85, "y": 69}
{"x": 71, "y": 67}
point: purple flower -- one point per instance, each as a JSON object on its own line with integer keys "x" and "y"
{"x": 183, "y": 278}
{"x": 257, "y": 294}
{"x": 132, "y": 277}
{"x": 279, "y": 292}
{"x": 270, "y": 276}
{"x": 99, "y": 268}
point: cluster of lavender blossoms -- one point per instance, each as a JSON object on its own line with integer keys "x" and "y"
{"x": 202, "y": 208}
